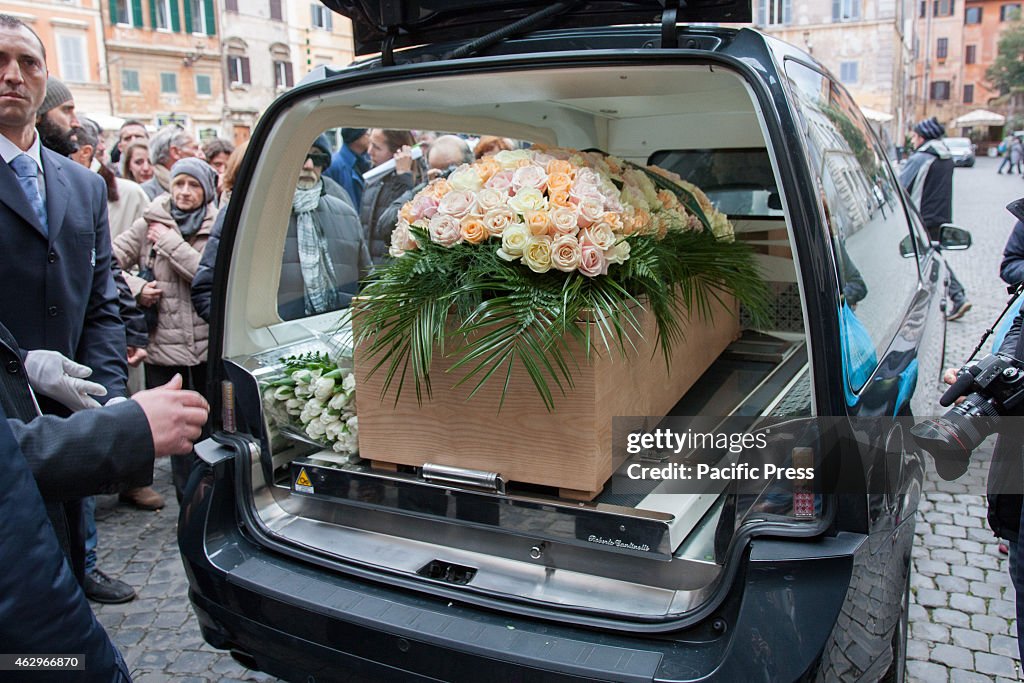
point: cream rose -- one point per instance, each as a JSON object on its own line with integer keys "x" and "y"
{"x": 592, "y": 261}
{"x": 512, "y": 159}
{"x": 563, "y": 221}
{"x": 497, "y": 220}
{"x": 401, "y": 240}
{"x": 465, "y": 179}
{"x": 457, "y": 203}
{"x": 527, "y": 199}
{"x": 513, "y": 241}
{"x": 537, "y": 253}
{"x": 566, "y": 253}
{"x": 618, "y": 254}
{"x": 600, "y": 235}
{"x": 445, "y": 230}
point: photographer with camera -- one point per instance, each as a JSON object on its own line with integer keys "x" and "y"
{"x": 984, "y": 392}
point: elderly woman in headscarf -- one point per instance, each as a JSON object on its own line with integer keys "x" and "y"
{"x": 166, "y": 244}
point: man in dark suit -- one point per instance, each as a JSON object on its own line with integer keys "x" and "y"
{"x": 56, "y": 289}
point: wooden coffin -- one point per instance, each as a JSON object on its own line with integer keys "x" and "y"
{"x": 570, "y": 448}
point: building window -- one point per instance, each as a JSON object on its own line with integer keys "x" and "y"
{"x": 123, "y": 13}
{"x": 161, "y": 15}
{"x": 774, "y": 12}
{"x": 283, "y": 74}
{"x": 130, "y": 80}
{"x": 942, "y": 48}
{"x": 204, "y": 85}
{"x": 198, "y": 12}
{"x": 972, "y": 15}
{"x": 275, "y": 10}
{"x": 848, "y": 72}
{"x": 1009, "y": 12}
{"x": 924, "y": 9}
{"x": 321, "y": 17}
{"x": 168, "y": 83}
{"x": 238, "y": 70}
{"x": 71, "y": 52}
{"x": 968, "y": 94}
{"x": 971, "y": 54}
{"x": 230, "y": 5}
{"x": 940, "y": 90}
{"x": 943, "y": 8}
{"x": 845, "y": 10}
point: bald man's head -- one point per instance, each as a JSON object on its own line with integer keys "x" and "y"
{"x": 447, "y": 151}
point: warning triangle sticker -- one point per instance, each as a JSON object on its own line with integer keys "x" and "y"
{"x": 303, "y": 478}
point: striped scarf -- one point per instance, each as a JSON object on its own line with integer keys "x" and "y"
{"x": 318, "y": 277}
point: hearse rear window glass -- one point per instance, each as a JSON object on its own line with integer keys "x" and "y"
{"x": 740, "y": 182}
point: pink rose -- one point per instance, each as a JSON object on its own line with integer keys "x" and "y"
{"x": 489, "y": 198}
{"x": 566, "y": 253}
{"x": 445, "y": 230}
{"x": 563, "y": 220}
{"x": 457, "y": 204}
{"x": 500, "y": 181}
{"x": 423, "y": 206}
{"x": 401, "y": 239}
{"x": 592, "y": 261}
{"x": 591, "y": 210}
{"x": 600, "y": 235}
{"x": 529, "y": 176}
{"x": 496, "y": 220}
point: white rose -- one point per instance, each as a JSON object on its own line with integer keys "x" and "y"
{"x": 600, "y": 235}
{"x": 564, "y": 220}
{"x": 619, "y": 253}
{"x": 509, "y": 159}
{"x": 528, "y": 199}
{"x": 498, "y": 219}
{"x": 339, "y": 401}
{"x": 316, "y": 429}
{"x": 489, "y": 198}
{"x": 349, "y": 383}
{"x": 465, "y": 178}
{"x": 323, "y": 388}
{"x": 591, "y": 210}
{"x": 513, "y": 241}
{"x": 284, "y": 393}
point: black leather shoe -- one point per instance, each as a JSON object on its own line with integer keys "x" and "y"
{"x": 101, "y": 588}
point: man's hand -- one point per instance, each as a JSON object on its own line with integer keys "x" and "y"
{"x": 403, "y": 160}
{"x": 176, "y": 417}
{"x": 136, "y": 354}
{"x": 149, "y": 295}
{"x": 52, "y": 374}
{"x": 949, "y": 377}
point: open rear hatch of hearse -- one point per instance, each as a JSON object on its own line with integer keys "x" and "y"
{"x": 635, "y": 549}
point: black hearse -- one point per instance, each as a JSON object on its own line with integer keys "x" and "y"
{"x": 407, "y": 576}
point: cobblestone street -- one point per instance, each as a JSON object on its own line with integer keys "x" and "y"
{"x": 962, "y": 618}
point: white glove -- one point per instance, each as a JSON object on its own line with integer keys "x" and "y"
{"x": 60, "y": 378}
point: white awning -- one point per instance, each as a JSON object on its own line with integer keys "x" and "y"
{"x": 105, "y": 121}
{"x": 875, "y": 115}
{"x": 979, "y": 117}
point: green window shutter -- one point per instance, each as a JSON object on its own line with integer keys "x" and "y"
{"x": 137, "y": 12}
{"x": 152, "y": 14}
{"x": 175, "y": 17}
{"x": 188, "y": 16}
{"x": 113, "y": 12}
{"x": 211, "y": 25}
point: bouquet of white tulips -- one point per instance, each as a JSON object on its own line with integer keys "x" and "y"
{"x": 316, "y": 398}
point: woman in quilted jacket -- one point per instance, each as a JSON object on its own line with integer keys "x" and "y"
{"x": 166, "y": 245}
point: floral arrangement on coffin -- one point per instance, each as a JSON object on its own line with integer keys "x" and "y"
{"x": 522, "y": 245}
{"x": 316, "y": 399}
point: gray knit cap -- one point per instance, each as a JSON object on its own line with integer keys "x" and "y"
{"x": 201, "y": 171}
{"x": 56, "y": 94}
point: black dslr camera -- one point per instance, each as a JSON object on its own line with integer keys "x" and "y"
{"x": 994, "y": 387}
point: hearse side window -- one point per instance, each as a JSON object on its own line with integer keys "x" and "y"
{"x": 739, "y": 182}
{"x": 864, "y": 217}
{"x": 325, "y": 252}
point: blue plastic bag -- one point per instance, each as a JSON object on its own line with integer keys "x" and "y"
{"x": 859, "y": 357}
{"x": 1004, "y": 325}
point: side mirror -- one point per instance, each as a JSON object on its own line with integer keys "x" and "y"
{"x": 954, "y": 238}
{"x": 907, "y": 247}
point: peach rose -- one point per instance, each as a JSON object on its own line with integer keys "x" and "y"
{"x": 439, "y": 187}
{"x": 473, "y": 230}
{"x": 592, "y": 261}
{"x": 457, "y": 203}
{"x": 614, "y": 220}
{"x": 668, "y": 199}
{"x": 566, "y": 253}
{"x": 559, "y": 182}
{"x": 537, "y": 253}
{"x": 498, "y": 220}
{"x": 560, "y": 166}
{"x": 487, "y": 168}
{"x": 445, "y": 230}
{"x": 539, "y": 222}
{"x": 559, "y": 198}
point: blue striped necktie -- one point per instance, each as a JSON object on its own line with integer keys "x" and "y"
{"x": 27, "y": 171}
